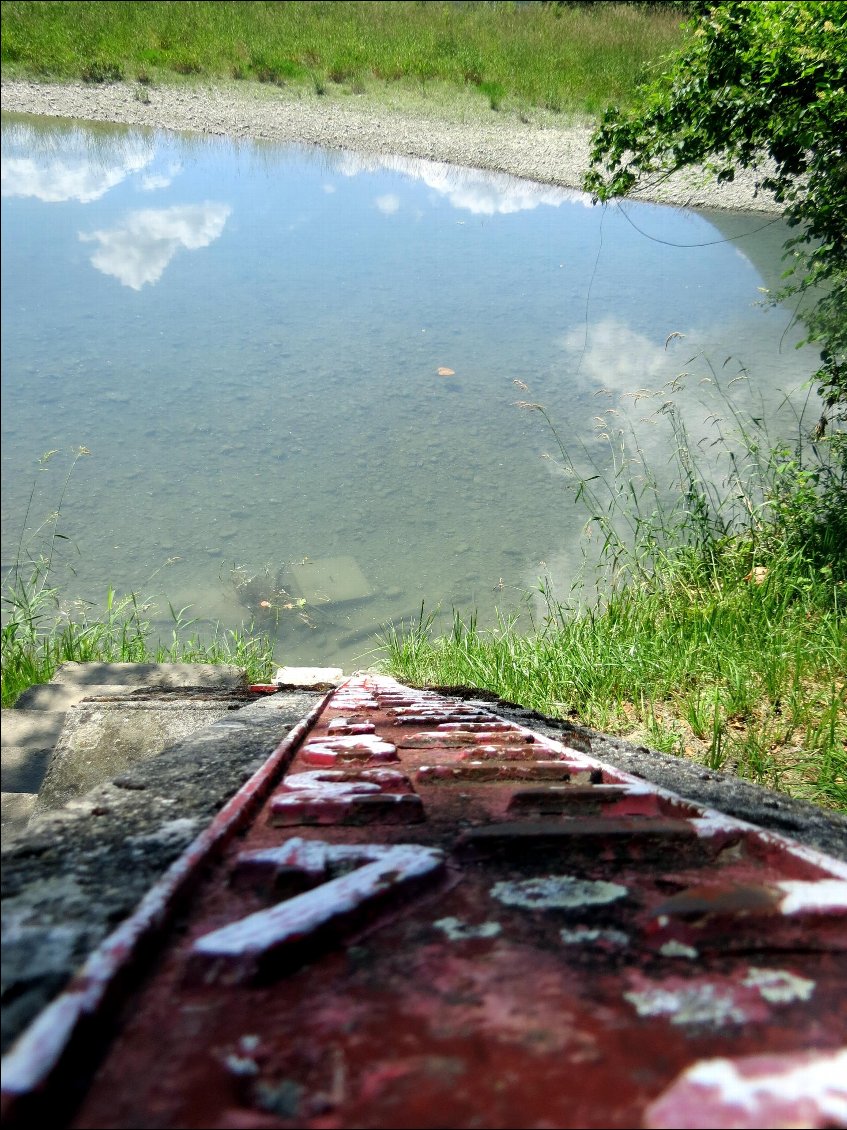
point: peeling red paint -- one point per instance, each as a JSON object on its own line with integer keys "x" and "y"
{"x": 551, "y": 943}
{"x": 805, "y": 1089}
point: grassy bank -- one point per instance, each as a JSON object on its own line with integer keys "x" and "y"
{"x": 41, "y": 632}
{"x": 562, "y": 58}
{"x": 720, "y": 632}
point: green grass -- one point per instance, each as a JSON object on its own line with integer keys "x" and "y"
{"x": 42, "y": 628}
{"x": 720, "y": 632}
{"x": 559, "y": 57}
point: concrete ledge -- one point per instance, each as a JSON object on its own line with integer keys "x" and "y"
{"x": 32, "y": 730}
{"x": 152, "y": 675}
{"x": 100, "y": 740}
{"x": 323, "y": 677}
{"x": 62, "y": 696}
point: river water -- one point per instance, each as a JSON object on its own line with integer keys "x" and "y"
{"x": 296, "y": 372}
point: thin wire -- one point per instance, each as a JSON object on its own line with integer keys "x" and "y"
{"x": 705, "y": 243}
{"x": 668, "y": 243}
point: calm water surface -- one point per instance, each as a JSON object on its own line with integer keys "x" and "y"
{"x": 247, "y": 338}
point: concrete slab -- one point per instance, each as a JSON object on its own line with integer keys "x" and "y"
{"x": 74, "y": 872}
{"x": 331, "y": 580}
{"x": 62, "y": 696}
{"x": 31, "y": 730}
{"x": 308, "y": 676}
{"x": 101, "y": 740}
{"x": 15, "y": 811}
{"x": 152, "y": 674}
{"x": 22, "y": 770}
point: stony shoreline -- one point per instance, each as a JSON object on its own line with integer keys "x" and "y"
{"x": 539, "y": 147}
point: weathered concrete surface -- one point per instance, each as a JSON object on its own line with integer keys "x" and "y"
{"x": 31, "y": 730}
{"x": 15, "y": 811}
{"x": 104, "y": 738}
{"x": 72, "y": 875}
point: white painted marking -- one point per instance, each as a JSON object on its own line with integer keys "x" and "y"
{"x": 821, "y": 896}
{"x": 713, "y": 823}
{"x": 678, "y": 949}
{"x": 32, "y": 1059}
{"x": 699, "y": 1003}
{"x": 822, "y": 1078}
{"x": 363, "y": 747}
{"x": 584, "y": 935}
{"x": 384, "y": 868}
{"x": 333, "y": 790}
{"x": 324, "y": 784}
{"x": 313, "y": 857}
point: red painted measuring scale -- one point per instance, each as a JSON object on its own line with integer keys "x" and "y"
{"x": 419, "y": 915}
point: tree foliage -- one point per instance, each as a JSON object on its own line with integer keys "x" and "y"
{"x": 759, "y": 85}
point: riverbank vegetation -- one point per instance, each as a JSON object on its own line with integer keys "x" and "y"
{"x": 562, "y": 57}
{"x": 718, "y": 630}
{"x": 44, "y": 627}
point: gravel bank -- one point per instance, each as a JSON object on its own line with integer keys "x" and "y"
{"x": 535, "y": 146}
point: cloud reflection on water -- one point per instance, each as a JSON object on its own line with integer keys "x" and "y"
{"x": 151, "y": 182}
{"x": 138, "y": 251}
{"x": 472, "y": 190}
{"x": 70, "y": 164}
{"x": 59, "y": 180}
{"x": 663, "y": 410}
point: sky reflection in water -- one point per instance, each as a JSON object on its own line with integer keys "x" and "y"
{"x": 247, "y": 337}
